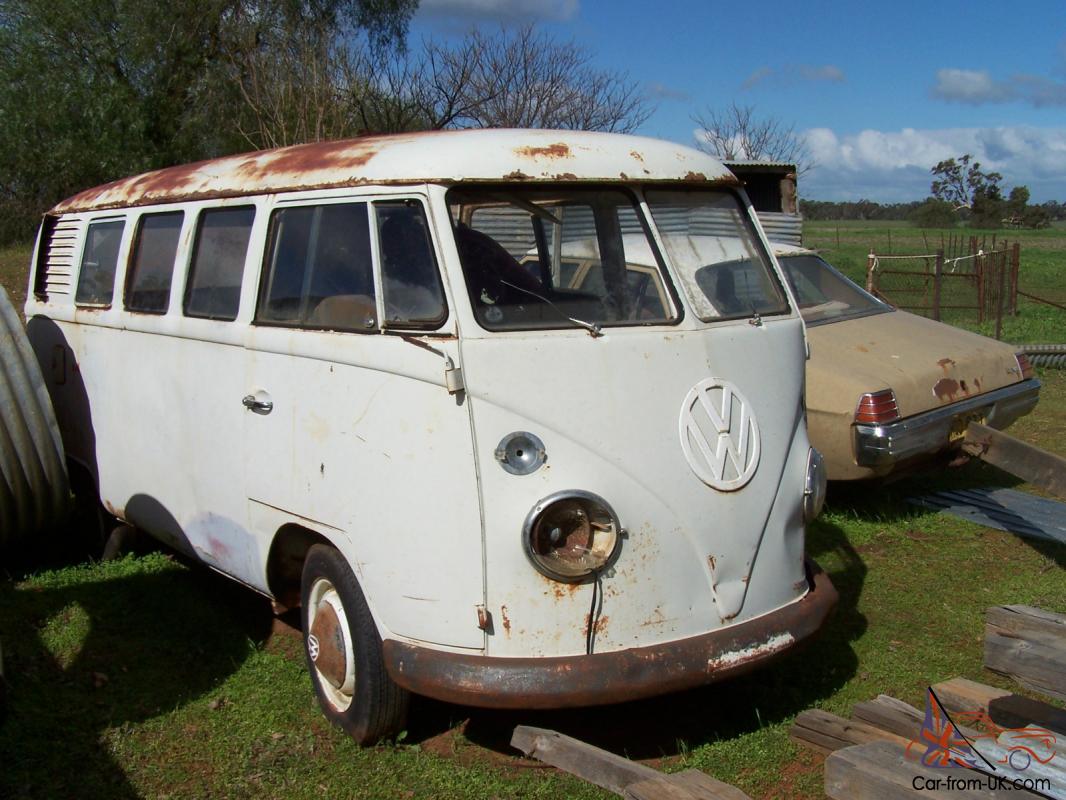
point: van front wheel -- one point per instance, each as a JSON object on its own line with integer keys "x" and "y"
{"x": 343, "y": 651}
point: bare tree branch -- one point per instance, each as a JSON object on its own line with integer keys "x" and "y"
{"x": 735, "y": 133}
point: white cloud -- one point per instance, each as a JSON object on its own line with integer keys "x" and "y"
{"x": 894, "y": 165}
{"x": 978, "y": 87}
{"x": 502, "y": 10}
{"x": 791, "y": 74}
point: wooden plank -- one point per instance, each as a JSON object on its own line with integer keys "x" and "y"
{"x": 1029, "y": 644}
{"x": 702, "y": 785}
{"x": 1035, "y": 666}
{"x": 828, "y": 732}
{"x": 1028, "y": 622}
{"x": 892, "y": 715}
{"x": 657, "y": 788}
{"x": 606, "y": 770}
{"x": 1030, "y": 463}
{"x": 1006, "y": 709}
{"x": 880, "y": 771}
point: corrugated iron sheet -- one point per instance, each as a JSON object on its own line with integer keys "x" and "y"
{"x": 34, "y": 489}
{"x": 1002, "y": 509}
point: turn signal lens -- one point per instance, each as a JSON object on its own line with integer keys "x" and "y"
{"x": 877, "y": 408}
{"x": 1024, "y": 366}
{"x": 572, "y": 535}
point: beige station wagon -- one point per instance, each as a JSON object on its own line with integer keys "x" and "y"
{"x": 886, "y": 390}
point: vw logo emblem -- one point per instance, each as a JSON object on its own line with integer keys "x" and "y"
{"x": 312, "y": 646}
{"x": 719, "y": 434}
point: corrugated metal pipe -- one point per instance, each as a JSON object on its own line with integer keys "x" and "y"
{"x": 1045, "y": 355}
{"x": 34, "y": 487}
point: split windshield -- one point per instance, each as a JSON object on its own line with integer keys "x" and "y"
{"x": 557, "y": 258}
{"x": 712, "y": 244}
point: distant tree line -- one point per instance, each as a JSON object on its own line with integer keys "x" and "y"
{"x": 94, "y": 90}
{"x": 960, "y": 192}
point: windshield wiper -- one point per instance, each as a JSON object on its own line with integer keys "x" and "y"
{"x": 591, "y": 327}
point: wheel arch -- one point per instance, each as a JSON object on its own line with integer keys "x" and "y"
{"x": 285, "y": 562}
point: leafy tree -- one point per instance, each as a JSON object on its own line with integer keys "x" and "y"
{"x": 91, "y": 90}
{"x": 962, "y": 182}
{"x": 738, "y": 133}
{"x": 933, "y": 213}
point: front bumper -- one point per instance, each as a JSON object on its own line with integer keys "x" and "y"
{"x": 563, "y": 682}
{"x": 921, "y": 434}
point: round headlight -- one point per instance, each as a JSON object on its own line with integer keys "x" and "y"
{"x": 571, "y": 535}
{"x": 814, "y": 487}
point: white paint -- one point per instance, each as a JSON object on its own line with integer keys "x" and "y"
{"x": 775, "y": 643}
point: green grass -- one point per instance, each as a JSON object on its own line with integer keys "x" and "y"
{"x": 148, "y": 678}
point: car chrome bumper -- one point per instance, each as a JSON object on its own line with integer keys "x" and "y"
{"x": 877, "y": 445}
{"x": 570, "y": 681}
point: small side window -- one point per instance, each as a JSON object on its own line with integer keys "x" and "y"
{"x": 152, "y": 265}
{"x": 213, "y": 289}
{"x": 319, "y": 270}
{"x": 410, "y": 280}
{"x": 99, "y": 258}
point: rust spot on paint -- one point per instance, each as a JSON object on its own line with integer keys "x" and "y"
{"x": 861, "y": 349}
{"x": 557, "y": 150}
{"x": 517, "y": 175}
{"x": 712, "y": 561}
{"x": 977, "y": 383}
{"x": 601, "y": 624}
{"x": 695, "y": 176}
{"x": 636, "y": 155}
{"x": 506, "y": 621}
{"x": 945, "y": 389}
{"x": 964, "y": 387}
{"x": 566, "y": 176}
{"x": 944, "y": 363}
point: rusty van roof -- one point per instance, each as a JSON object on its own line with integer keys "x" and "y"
{"x": 430, "y": 157}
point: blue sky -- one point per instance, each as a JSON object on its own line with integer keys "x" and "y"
{"x": 880, "y": 92}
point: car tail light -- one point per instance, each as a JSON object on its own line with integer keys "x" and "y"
{"x": 1024, "y": 366}
{"x": 877, "y": 408}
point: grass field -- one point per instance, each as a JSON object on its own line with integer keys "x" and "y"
{"x": 150, "y": 678}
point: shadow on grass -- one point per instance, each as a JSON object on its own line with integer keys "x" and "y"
{"x": 670, "y": 725}
{"x": 143, "y": 639}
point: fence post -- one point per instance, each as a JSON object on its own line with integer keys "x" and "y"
{"x": 979, "y": 263}
{"x": 1015, "y": 264}
{"x": 938, "y": 271}
{"x": 871, "y": 259}
{"x": 999, "y": 294}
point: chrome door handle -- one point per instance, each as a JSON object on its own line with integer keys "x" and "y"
{"x": 258, "y": 406}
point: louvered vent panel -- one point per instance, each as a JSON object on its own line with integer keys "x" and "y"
{"x": 60, "y": 257}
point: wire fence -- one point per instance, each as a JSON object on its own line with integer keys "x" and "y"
{"x": 950, "y": 282}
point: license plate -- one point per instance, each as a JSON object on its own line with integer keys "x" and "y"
{"x": 962, "y": 422}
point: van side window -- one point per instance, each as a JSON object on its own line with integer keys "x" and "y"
{"x": 96, "y": 278}
{"x": 213, "y": 289}
{"x": 410, "y": 280}
{"x": 152, "y": 265}
{"x": 319, "y": 271}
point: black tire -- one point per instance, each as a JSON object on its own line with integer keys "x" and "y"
{"x": 343, "y": 651}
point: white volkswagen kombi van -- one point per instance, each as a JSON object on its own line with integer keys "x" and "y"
{"x": 363, "y": 377}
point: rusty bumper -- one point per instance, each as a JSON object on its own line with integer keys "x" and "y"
{"x": 614, "y": 677}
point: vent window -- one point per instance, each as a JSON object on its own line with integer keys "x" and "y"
{"x": 55, "y": 258}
